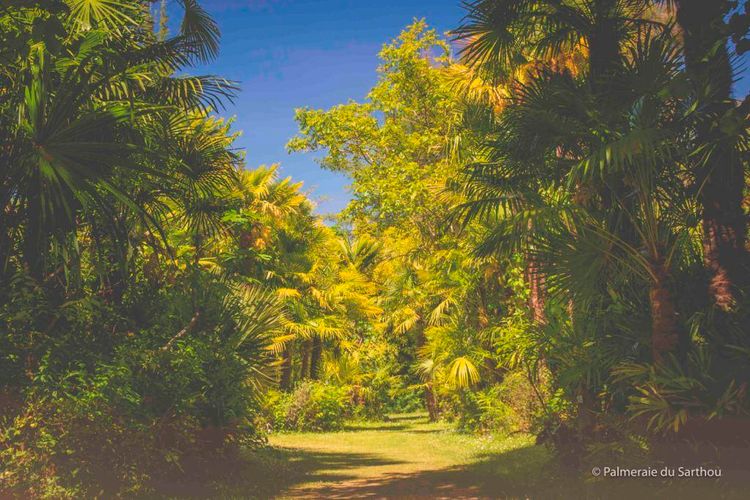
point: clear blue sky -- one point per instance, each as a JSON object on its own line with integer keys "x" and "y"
{"x": 293, "y": 53}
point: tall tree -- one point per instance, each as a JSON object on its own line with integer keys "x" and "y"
{"x": 500, "y": 35}
{"x": 721, "y": 176}
{"x": 580, "y": 162}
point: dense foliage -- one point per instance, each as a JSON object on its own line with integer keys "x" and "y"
{"x": 564, "y": 201}
{"x": 144, "y": 272}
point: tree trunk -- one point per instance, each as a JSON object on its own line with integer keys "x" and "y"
{"x": 305, "y": 364}
{"x": 605, "y": 59}
{"x": 603, "y": 44}
{"x": 35, "y": 244}
{"x": 6, "y": 247}
{"x": 431, "y": 403}
{"x": 721, "y": 177}
{"x": 285, "y": 381}
{"x": 664, "y": 325}
{"x": 315, "y": 355}
{"x": 163, "y": 21}
{"x": 537, "y": 293}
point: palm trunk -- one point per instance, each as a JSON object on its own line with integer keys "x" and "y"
{"x": 304, "y": 370}
{"x": 285, "y": 382}
{"x": 664, "y": 325}
{"x": 604, "y": 60}
{"x": 603, "y": 44}
{"x": 537, "y": 295}
{"x": 35, "y": 242}
{"x": 483, "y": 321}
{"x": 316, "y": 353}
{"x": 163, "y": 21}
{"x": 431, "y": 403}
{"x": 6, "y": 246}
{"x": 721, "y": 178}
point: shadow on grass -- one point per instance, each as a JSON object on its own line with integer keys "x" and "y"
{"x": 428, "y": 431}
{"x": 516, "y": 473}
{"x": 396, "y": 427}
{"x": 526, "y": 472}
{"x": 270, "y": 472}
{"x": 262, "y": 473}
{"x": 411, "y": 417}
{"x": 386, "y": 427}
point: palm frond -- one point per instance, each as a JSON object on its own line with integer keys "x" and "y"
{"x": 200, "y": 30}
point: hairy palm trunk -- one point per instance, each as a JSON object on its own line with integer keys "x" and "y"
{"x": 431, "y": 403}
{"x": 603, "y": 43}
{"x": 664, "y": 324}
{"x": 316, "y": 353}
{"x": 604, "y": 58}
{"x": 721, "y": 178}
{"x": 305, "y": 363}
{"x": 483, "y": 321}
{"x": 537, "y": 295}
{"x": 34, "y": 244}
{"x": 6, "y": 246}
{"x": 285, "y": 381}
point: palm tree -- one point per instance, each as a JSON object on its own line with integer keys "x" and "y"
{"x": 508, "y": 32}
{"x": 518, "y": 39}
{"x": 84, "y": 114}
{"x": 533, "y": 194}
{"x": 721, "y": 173}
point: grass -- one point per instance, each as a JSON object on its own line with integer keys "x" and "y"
{"x": 409, "y": 457}
{"x": 398, "y": 457}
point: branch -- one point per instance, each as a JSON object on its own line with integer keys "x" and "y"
{"x": 182, "y": 332}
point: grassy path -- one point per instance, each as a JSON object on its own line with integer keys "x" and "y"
{"x": 405, "y": 457}
{"x": 408, "y": 457}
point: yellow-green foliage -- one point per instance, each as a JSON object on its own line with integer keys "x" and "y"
{"x": 312, "y": 406}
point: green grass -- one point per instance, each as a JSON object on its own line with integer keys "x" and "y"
{"x": 409, "y": 457}
{"x": 388, "y": 457}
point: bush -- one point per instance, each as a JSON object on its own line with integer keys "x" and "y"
{"x": 312, "y": 406}
{"x": 481, "y": 411}
{"x": 510, "y": 406}
{"x": 102, "y": 406}
{"x": 72, "y": 447}
{"x": 405, "y": 399}
{"x": 377, "y": 397}
{"x": 521, "y": 397}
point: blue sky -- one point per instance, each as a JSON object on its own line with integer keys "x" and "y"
{"x": 318, "y": 53}
{"x": 293, "y": 53}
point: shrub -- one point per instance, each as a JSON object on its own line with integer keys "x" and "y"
{"x": 510, "y": 406}
{"x": 406, "y": 400}
{"x": 376, "y": 398}
{"x": 312, "y": 406}
{"x": 103, "y": 406}
{"x": 70, "y": 446}
{"x": 522, "y": 398}
{"x": 496, "y": 414}
{"x": 480, "y": 411}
